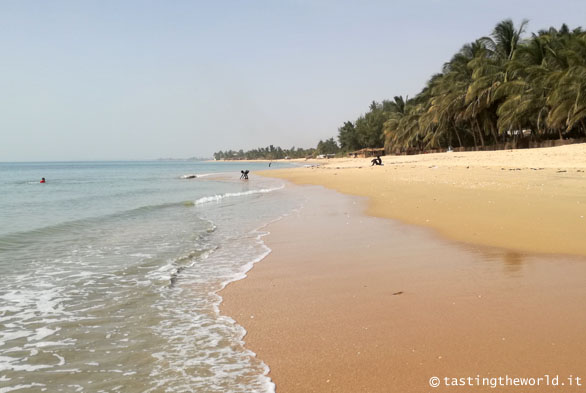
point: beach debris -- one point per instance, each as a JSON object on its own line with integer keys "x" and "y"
{"x": 560, "y": 171}
{"x": 398, "y": 293}
{"x": 189, "y": 176}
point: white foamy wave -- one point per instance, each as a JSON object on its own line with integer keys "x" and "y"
{"x": 196, "y": 175}
{"x": 42, "y": 333}
{"x": 219, "y": 197}
{"x": 100, "y": 303}
{"x": 20, "y": 387}
{"x": 208, "y": 347}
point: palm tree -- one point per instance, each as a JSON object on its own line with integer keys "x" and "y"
{"x": 568, "y": 93}
{"x": 446, "y": 114}
{"x": 524, "y": 93}
{"x": 491, "y": 87}
{"x": 392, "y": 130}
{"x": 489, "y": 73}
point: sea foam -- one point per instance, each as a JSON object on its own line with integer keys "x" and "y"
{"x": 219, "y": 197}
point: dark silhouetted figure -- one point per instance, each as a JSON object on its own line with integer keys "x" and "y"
{"x": 244, "y": 175}
{"x": 377, "y": 161}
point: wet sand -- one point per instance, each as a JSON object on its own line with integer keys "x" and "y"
{"x": 352, "y": 303}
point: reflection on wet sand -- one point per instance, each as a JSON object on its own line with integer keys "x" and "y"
{"x": 325, "y": 316}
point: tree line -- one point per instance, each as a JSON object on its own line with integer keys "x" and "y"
{"x": 264, "y": 153}
{"x": 499, "y": 88}
{"x": 329, "y": 146}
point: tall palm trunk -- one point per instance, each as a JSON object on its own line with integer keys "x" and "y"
{"x": 479, "y": 132}
{"x": 458, "y": 136}
{"x": 493, "y": 132}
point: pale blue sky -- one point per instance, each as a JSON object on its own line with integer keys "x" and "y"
{"x": 86, "y": 80}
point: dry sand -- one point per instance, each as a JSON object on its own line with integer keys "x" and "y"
{"x": 525, "y": 200}
{"x": 353, "y": 303}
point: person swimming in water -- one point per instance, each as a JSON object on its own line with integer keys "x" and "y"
{"x": 43, "y": 180}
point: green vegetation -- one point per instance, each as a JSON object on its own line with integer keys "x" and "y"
{"x": 498, "y": 89}
{"x": 494, "y": 90}
{"x": 329, "y": 146}
{"x": 271, "y": 152}
{"x": 264, "y": 153}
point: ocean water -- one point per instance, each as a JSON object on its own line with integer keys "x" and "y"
{"x": 109, "y": 275}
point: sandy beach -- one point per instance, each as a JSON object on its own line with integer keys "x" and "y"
{"x": 530, "y": 200}
{"x": 489, "y": 284}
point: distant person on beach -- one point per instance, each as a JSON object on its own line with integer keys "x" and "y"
{"x": 270, "y": 164}
{"x": 377, "y": 161}
{"x": 244, "y": 175}
{"x": 43, "y": 180}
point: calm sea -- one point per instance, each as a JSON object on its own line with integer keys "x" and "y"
{"x": 109, "y": 275}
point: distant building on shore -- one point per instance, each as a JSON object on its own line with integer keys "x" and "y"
{"x": 368, "y": 152}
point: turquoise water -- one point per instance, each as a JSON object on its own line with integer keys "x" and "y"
{"x": 110, "y": 273}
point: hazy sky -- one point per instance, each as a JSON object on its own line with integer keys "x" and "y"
{"x": 86, "y": 80}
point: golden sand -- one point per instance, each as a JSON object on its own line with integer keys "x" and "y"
{"x": 349, "y": 302}
{"x": 524, "y": 200}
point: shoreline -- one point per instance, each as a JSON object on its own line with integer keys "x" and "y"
{"x": 346, "y": 302}
{"x": 350, "y": 301}
{"x": 522, "y": 200}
